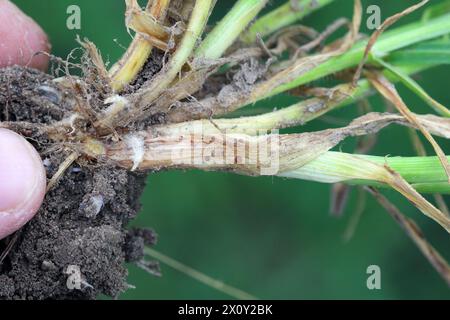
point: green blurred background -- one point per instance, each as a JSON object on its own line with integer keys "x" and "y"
{"x": 271, "y": 237}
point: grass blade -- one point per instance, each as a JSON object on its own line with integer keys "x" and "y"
{"x": 429, "y": 53}
{"x": 414, "y": 87}
{"x": 200, "y": 277}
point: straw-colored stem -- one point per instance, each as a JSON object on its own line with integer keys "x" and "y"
{"x": 297, "y": 156}
{"x": 145, "y": 96}
{"x": 128, "y": 67}
{"x": 160, "y": 82}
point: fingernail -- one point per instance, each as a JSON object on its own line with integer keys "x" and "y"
{"x": 22, "y": 182}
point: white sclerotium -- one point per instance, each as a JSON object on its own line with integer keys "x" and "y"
{"x": 92, "y": 206}
{"x": 136, "y": 145}
{"x": 117, "y": 105}
{"x": 47, "y": 163}
{"x": 116, "y": 100}
{"x": 97, "y": 204}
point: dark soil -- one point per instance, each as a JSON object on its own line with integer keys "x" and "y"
{"x": 82, "y": 223}
{"x": 151, "y": 68}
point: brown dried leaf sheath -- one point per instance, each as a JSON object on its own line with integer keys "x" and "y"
{"x": 152, "y": 150}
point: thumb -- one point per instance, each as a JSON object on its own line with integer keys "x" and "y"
{"x": 22, "y": 182}
{"x": 21, "y": 38}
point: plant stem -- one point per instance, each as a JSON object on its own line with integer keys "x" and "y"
{"x": 229, "y": 28}
{"x": 146, "y": 95}
{"x": 291, "y": 155}
{"x": 388, "y": 42}
{"x": 127, "y": 68}
{"x": 298, "y": 113}
{"x": 282, "y": 17}
{"x": 425, "y": 174}
{"x": 302, "y": 112}
{"x": 197, "y": 23}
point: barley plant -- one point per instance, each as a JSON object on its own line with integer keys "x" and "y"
{"x": 174, "y": 100}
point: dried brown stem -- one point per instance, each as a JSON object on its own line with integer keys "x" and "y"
{"x": 373, "y": 39}
{"x": 127, "y": 68}
{"x": 387, "y": 89}
{"x": 415, "y": 234}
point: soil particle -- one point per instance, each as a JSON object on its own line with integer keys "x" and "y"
{"x": 6, "y": 286}
{"x": 82, "y": 223}
{"x": 24, "y": 95}
{"x": 135, "y": 242}
{"x": 134, "y": 247}
{"x": 154, "y": 64}
{"x": 148, "y": 235}
{"x": 151, "y": 68}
